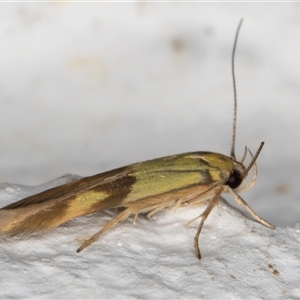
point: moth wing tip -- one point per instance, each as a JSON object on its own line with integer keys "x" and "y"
{"x": 7, "y": 217}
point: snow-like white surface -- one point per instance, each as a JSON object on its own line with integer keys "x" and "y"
{"x": 152, "y": 259}
{"x": 86, "y": 87}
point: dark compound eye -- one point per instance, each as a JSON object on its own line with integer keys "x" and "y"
{"x": 235, "y": 179}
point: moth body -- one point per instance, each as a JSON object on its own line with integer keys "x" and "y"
{"x": 145, "y": 187}
{"x": 140, "y": 187}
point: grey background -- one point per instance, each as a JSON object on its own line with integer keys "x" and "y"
{"x": 86, "y": 87}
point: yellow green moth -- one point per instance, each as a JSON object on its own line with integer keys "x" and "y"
{"x": 147, "y": 187}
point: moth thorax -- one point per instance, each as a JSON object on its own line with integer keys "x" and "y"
{"x": 237, "y": 176}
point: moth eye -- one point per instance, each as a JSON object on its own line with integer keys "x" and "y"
{"x": 235, "y": 179}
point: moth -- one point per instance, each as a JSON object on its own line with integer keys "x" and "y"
{"x": 147, "y": 187}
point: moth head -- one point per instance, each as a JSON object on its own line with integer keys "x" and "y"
{"x": 237, "y": 176}
{"x": 240, "y": 172}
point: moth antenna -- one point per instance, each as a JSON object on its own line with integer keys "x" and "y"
{"x": 254, "y": 158}
{"x": 232, "y": 152}
{"x": 245, "y": 154}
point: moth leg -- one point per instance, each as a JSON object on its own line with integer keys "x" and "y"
{"x": 241, "y": 202}
{"x": 157, "y": 208}
{"x": 203, "y": 217}
{"x": 153, "y": 211}
{"x": 197, "y": 199}
{"x": 135, "y": 218}
{"x": 193, "y": 220}
{"x": 197, "y": 202}
{"x": 178, "y": 204}
{"x": 119, "y": 218}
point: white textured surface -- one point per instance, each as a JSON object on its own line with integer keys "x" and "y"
{"x": 153, "y": 258}
{"x": 87, "y": 87}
